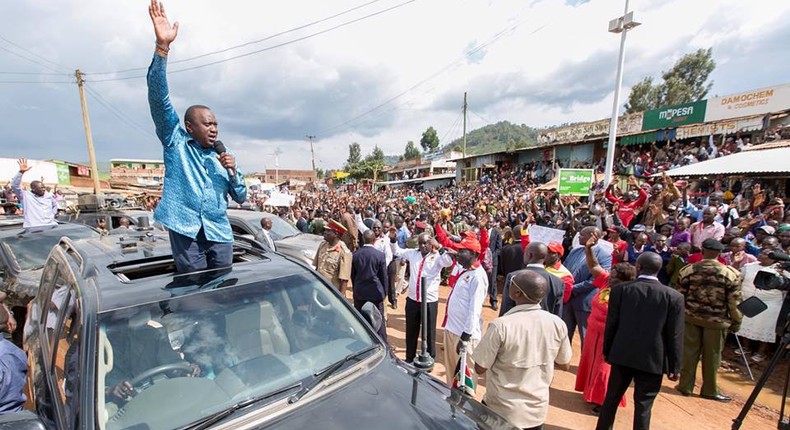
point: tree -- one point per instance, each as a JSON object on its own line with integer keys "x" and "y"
{"x": 354, "y": 154}
{"x": 686, "y": 81}
{"x": 429, "y": 140}
{"x": 411, "y": 151}
{"x": 644, "y": 96}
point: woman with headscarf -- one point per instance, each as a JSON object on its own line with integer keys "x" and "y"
{"x": 593, "y": 374}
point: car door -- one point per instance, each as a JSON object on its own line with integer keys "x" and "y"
{"x": 58, "y": 353}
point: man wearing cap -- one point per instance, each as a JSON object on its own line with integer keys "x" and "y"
{"x": 712, "y": 291}
{"x": 13, "y": 365}
{"x": 554, "y": 266}
{"x": 519, "y": 372}
{"x": 463, "y": 321}
{"x": 425, "y": 265}
{"x": 708, "y": 228}
{"x": 755, "y": 247}
{"x": 333, "y": 259}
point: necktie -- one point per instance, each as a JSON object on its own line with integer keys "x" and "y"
{"x": 419, "y": 277}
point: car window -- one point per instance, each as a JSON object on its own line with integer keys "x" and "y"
{"x": 30, "y": 249}
{"x": 281, "y": 229}
{"x": 66, "y": 358}
{"x": 202, "y": 352}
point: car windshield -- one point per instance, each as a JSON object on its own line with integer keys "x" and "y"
{"x": 197, "y": 354}
{"x": 281, "y": 229}
{"x": 30, "y": 248}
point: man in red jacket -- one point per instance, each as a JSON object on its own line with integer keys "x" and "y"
{"x": 630, "y": 203}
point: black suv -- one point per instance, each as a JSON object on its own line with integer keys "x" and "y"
{"x": 116, "y": 340}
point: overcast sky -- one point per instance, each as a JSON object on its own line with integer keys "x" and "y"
{"x": 381, "y": 80}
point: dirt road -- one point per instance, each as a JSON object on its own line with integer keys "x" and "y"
{"x": 569, "y": 411}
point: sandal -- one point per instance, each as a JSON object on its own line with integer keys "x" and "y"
{"x": 759, "y": 357}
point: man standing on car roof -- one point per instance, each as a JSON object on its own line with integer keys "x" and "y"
{"x": 198, "y": 175}
{"x": 39, "y": 205}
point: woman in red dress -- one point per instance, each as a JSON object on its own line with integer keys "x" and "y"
{"x": 593, "y": 374}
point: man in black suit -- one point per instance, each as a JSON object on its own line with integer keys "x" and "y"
{"x": 495, "y": 245}
{"x": 643, "y": 340}
{"x": 369, "y": 278}
{"x": 536, "y": 253}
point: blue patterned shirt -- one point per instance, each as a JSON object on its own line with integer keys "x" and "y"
{"x": 196, "y": 184}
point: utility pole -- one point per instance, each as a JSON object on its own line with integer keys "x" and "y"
{"x": 312, "y": 153}
{"x": 86, "y": 121}
{"x": 464, "y": 124}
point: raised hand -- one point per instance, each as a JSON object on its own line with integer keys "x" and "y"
{"x": 165, "y": 33}
{"x": 23, "y": 166}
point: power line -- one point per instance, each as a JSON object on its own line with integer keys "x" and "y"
{"x": 253, "y": 42}
{"x": 440, "y": 71}
{"x": 117, "y": 112}
{"x": 452, "y": 127}
{"x": 22, "y": 48}
{"x": 28, "y": 59}
{"x": 479, "y": 116}
{"x": 36, "y": 82}
{"x": 269, "y": 48}
{"x": 34, "y": 74}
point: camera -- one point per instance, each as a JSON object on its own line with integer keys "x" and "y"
{"x": 766, "y": 280}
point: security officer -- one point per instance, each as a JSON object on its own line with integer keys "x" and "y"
{"x": 333, "y": 259}
{"x": 712, "y": 291}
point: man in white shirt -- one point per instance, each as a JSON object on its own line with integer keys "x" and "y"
{"x": 39, "y": 206}
{"x": 463, "y": 320}
{"x": 425, "y": 262}
{"x": 519, "y": 373}
{"x": 266, "y": 225}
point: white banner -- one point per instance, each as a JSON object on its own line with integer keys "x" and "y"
{"x": 755, "y": 102}
{"x": 280, "y": 199}
{"x": 45, "y": 171}
{"x": 719, "y": 127}
{"x": 545, "y": 234}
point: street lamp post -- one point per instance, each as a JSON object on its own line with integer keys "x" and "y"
{"x": 618, "y": 25}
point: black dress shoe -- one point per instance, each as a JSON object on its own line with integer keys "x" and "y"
{"x": 596, "y": 410}
{"x": 685, "y": 394}
{"x": 494, "y": 306}
{"x": 718, "y": 397}
{"x": 394, "y": 305}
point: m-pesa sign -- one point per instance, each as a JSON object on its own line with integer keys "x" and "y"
{"x": 755, "y": 102}
{"x": 673, "y": 116}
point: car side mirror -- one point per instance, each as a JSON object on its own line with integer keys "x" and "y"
{"x": 22, "y": 420}
{"x": 372, "y": 315}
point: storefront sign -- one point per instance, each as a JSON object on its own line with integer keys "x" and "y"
{"x": 673, "y": 116}
{"x": 62, "y": 170}
{"x": 574, "y": 133}
{"x": 83, "y": 171}
{"x": 719, "y": 127}
{"x": 755, "y": 102}
{"x": 575, "y": 182}
{"x": 629, "y": 124}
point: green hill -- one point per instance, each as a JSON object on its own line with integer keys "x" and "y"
{"x": 501, "y": 136}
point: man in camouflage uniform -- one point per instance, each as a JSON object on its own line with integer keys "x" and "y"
{"x": 713, "y": 292}
{"x": 333, "y": 259}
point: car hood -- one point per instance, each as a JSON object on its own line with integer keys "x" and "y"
{"x": 381, "y": 399}
{"x": 306, "y": 242}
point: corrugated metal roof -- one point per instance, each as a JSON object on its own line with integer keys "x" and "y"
{"x": 774, "y": 160}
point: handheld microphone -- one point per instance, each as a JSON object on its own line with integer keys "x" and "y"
{"x": 219, "y": 148}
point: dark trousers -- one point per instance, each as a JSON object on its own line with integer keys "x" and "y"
{"x": 413, "y": 321}
{"x": 191, "y": 255}
{"x": 392, "y": 270}
{"x": 574, "y": 317}
{"x": 382, "y": 331}
{"x": 492, "y": 284}
{"x": 646, "y": 388}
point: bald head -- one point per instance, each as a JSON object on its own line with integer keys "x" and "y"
{"x": 648, "y": 264}
{"x": 587, "y": 232}
{"x": 529, "y": 287}
{"x": 535, "y": 253}
{"x": 369, "y": 237}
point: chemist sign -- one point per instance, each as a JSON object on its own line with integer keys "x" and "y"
{"x": 575, "y": 182}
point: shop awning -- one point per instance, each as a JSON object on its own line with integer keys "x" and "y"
{"x": 752, "y": 162}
